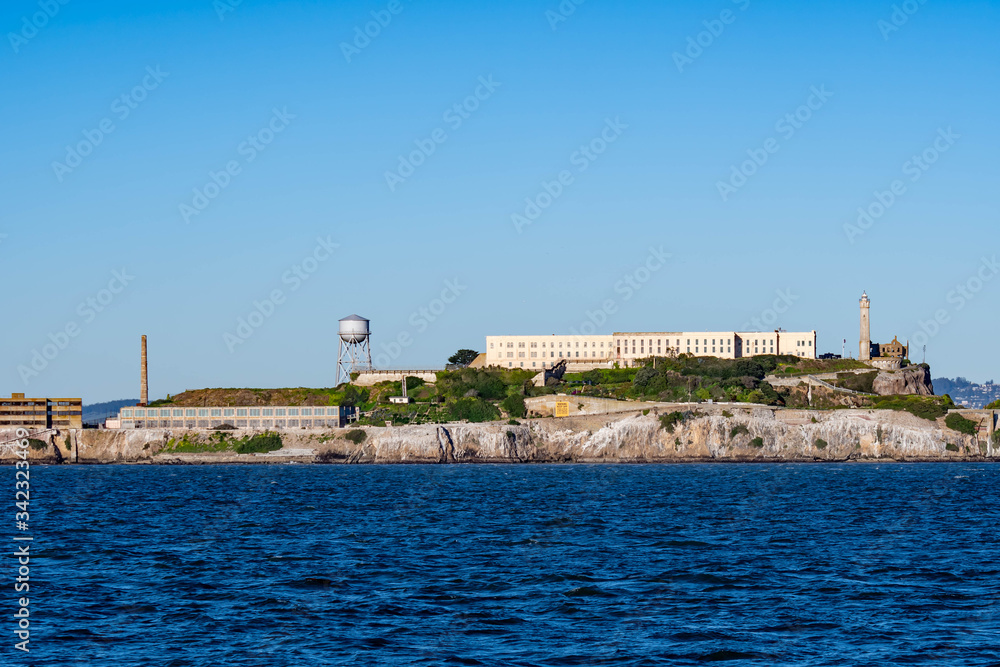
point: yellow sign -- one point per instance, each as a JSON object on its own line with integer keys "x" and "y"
{"x": 562, "y": 408}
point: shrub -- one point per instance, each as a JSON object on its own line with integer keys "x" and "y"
{"x": 737, "y": 430}
{"x": 995, "y": 405}
{"x": 356, "y": 435}
{"x": 951, "y": 448}
{"x": 957, "y": 422}
{"x": 863, "y": 382}
{"x": 820, "y": 443}
{"x": 514, "y": 406}
{"x": 813, "y": 419}
{"x": 645, "y": 412}
{"x": 513, "y": 422}
{"x": 727, "y": 414}
{"x": 263, "y": 442}
{"x": 925, "y": 407}
{"x": 36, "y": 444}
{"x": 996, "y": 438}
{"x": 757, "y": 442}
{"x": 473, "y": 409}
{"x": 668, "y": 421}
{"x": 643, "y": 377}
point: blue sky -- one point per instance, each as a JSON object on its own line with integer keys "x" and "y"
{"x": 309, "y": 134}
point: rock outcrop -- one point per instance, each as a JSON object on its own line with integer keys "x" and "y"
{"x": 912, "y": 380}
{"x": 708, "y": 434}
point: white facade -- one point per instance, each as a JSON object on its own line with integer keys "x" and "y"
{"x": 540, "y": 352}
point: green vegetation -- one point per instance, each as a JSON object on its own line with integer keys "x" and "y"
{"x": 820, "y": 443}
{"x": 264, "y": 442}
{"x": 68, "y": 444}
{"x": 813, "y": 366}
{"x": 36, "y": 444}
{"x": 668, "y": 421}
{"x": 514, "y": 406}
{"x": 957, "y": 422}
{"x": 996, "y": 438}
{"x": 995, "y": 405}
{"x": 925, "y": 407}
{"x": 356, "y": 435}
{"x": 951, "y": 448}
{"x": 738, "y": 430}
{"x": 863, "y": 382}
{"x": 757, "y": 442}
{"x": 220, "y": 441}
{"x": 463, "y": 357}
{"x": 474, "y": 410}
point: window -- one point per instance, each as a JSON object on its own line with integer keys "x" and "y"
{"x": 189, "y": 412}
{"x": 318, "y": 411}
{"x": 552, "y": 354}
{"x": 293, "y": 412}
{"x": 534, "y": 345}
{"x": 520, "y": 344}
{"x": 279, "y": 412}
{"x": 216, "y": 412}
{"x": 510, "y": 355}
{"x": 585, "y": 343}
{"x": 510, "y": 344}
{"x": 268, "y": 412}
{"x": 520, "y": 355}
{"x": 255, "y": 412}
{"x": 578, "y": 354}
{"x": 202, "y": 412}
{"x": 228, "y": 412}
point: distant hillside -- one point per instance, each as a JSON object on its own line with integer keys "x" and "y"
{"x": 969, "y": 394}
{"x": 97, "y": 412}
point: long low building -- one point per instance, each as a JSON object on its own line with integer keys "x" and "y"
{"x": 626, "y": 348}
{"x": 253, "y": 417}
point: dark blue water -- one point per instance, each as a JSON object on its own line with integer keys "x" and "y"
{"x": 514, "y": 565}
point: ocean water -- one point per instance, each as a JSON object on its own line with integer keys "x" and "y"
{"x": 855, "y": 564}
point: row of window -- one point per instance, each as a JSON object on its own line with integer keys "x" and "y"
{"x": 140, "y": 413}
{"x": 238, "y": 423}
{"x": 552, "y": 345}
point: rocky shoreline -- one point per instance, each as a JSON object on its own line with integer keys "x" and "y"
{"x": 713, "y": 434}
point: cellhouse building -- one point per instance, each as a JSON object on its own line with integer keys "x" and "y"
{"x": 626, "y": 349}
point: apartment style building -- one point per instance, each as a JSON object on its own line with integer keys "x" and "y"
{"x": 40, "y": 413}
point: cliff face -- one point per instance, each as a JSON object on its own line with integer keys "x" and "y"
{"x": 749, "y": 435}
{"x": 913, "y": 380}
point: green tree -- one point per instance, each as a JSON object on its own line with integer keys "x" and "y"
{"x": 463, "y": 357}
{"x": 514, "y": 406}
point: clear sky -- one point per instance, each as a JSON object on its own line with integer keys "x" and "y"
{"x": 211, "y": 153}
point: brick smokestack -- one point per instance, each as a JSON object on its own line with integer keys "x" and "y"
{"x": 144, "y": 379}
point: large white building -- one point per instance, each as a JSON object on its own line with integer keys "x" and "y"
{"x": 540, "y": 352}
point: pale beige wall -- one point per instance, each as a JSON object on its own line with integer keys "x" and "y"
{"x": 539, "y": 352}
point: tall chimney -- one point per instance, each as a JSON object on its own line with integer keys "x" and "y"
{"x": 144, "y": 380}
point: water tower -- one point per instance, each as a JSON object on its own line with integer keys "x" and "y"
{"x": 355, "y": 350}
